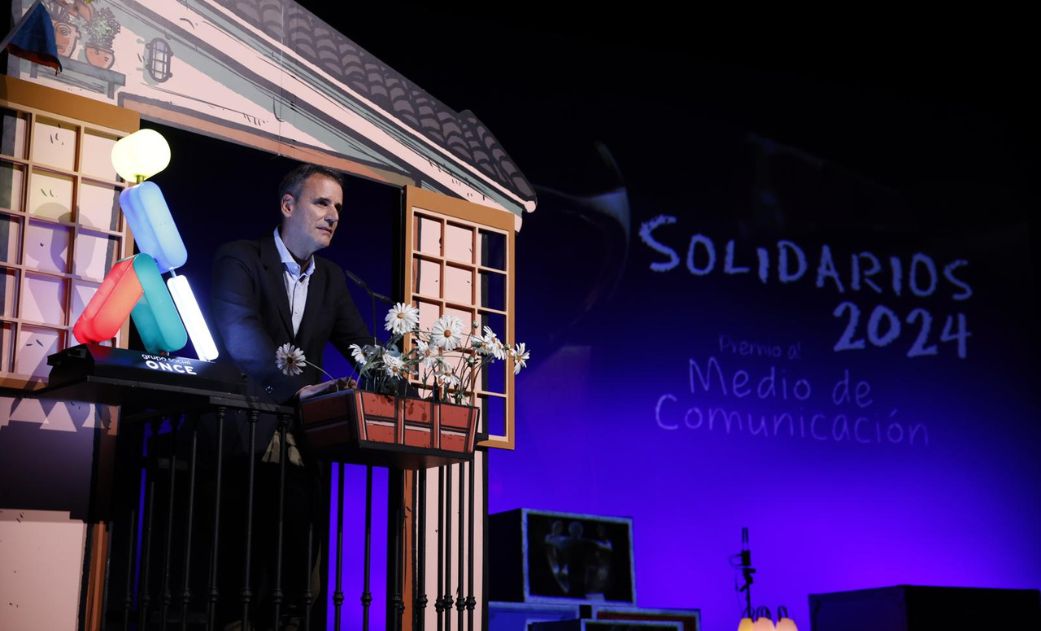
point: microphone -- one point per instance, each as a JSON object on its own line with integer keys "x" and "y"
{"x": 373, "y": 296}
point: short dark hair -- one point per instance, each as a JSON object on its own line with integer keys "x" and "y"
{"x": 294, "y": 180}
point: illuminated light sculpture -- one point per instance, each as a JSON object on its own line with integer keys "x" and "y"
{"x": 191, "y": 316}
{"x": 110, "y": 305}
{"x": 164, "y": 313}
{"x": 134, "y": 288}
{"x": 155, "y": 315}
{"x": 153, "y": 226}
{"x": 140, "y": 155}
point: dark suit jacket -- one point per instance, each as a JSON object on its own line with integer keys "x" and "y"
{"x": 252, "y": 317}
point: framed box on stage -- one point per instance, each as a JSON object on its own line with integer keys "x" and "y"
{"x": 542, "y": 556}
{"x": 606, "y": 625}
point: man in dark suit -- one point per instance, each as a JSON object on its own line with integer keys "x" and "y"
{"x": 268, "y": 293}
{"x": 274, "y": 291}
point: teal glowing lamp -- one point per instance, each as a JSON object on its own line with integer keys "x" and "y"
{"x": 155, "y": 315}
{"x": 110, "y": 306}
{"x": 140, "y": 155}
{"x": 154, "y": 229}
{"x": 191, "y": 316}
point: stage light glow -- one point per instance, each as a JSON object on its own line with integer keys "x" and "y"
{"x": 153, "y": 226}
{"x": 191, "y": 316}
{"x": 140, "y": 155}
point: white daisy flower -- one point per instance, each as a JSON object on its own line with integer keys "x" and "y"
{"x": 447, "y": 332}
{"x": 290, "y": 360}
{"x": 492, "y": 345}
{"x": 520, "y": 357}
{"x": 357, "y": 354}
{"x": 449, "y": 380}
{"x": 393, "y": 364}
{"x": 402, "y": 318}
{"x": 425, "y": 354}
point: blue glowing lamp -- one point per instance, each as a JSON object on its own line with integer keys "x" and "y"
{"x": 155, "y": 315}
{"x": 153, "y": 226}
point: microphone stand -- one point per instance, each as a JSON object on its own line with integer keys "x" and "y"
{"x": 373, "y": 296}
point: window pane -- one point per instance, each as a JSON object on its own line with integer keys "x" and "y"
{"x": 10, "y": 238}
{"x": 13, "y": 130}
{"x": 459, "y": 243}
{"x": 493, "y": 377}
{"x": 493, "y": 249}
{"x": 47, "y": 247}
{"x": 34, "y": 345}
{"x": 497, "y": 322}
{"x": 428, "y": 313}
{"x": 493, "y": 415}
{"x": 6, "y": 346}
{"x": 95, "y": 254}
{"x": 43, "y": 299}
{"x": 8, "y": 292}
{"x": 97, "y": 155}
{"x": 50, "y": 195}
{"x": 99, "y": 206}
{"x": 426, "y": 277}
{"x": 54, "y": 143}
{"x": 12, "y": 179}
{"x": 428, "y": 236}
{"x": 493, "y": 290}
{"x": 458, "y": 285}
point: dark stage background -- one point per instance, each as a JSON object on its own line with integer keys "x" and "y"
{"x": 688, "y": 281}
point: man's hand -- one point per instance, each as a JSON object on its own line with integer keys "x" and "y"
{"x": 343, "y": 383}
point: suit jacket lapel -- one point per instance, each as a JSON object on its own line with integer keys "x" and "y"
{"x": 274, "y": 277}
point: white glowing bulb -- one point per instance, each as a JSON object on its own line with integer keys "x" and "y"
{"x": 140, "y": 155}
{"x": 192, "y": 318}
{"x": 763, "y": 624}
{"x": 786, "y": 624}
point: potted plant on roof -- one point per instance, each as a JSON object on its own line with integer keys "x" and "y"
{"x": 411, "y": 408}
{"x": 100, "y": 31}
{"x": 67, "y": 18}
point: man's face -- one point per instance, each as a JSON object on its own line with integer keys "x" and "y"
{"x": 309, "y": 220}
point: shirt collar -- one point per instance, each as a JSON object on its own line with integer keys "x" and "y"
{"x": 289, "y": 262}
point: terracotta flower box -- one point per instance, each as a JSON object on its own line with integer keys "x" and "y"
{"x": 404, "y": 432}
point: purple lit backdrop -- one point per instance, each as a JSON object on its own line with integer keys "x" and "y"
{"x": 956, "y": 505}
{"x": 884, "y": 165}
